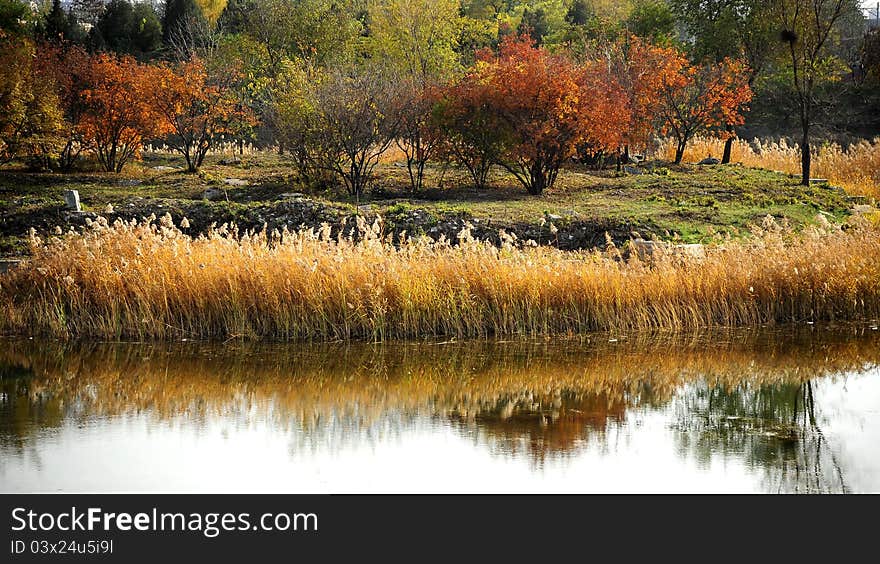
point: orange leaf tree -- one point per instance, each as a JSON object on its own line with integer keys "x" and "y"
{"x": 69, "y": 66}
{"x": 541, "y": 106}
{"x": 698, "y": 99}
{"x": 117, "y": 112}
{"x": 640, "y": 68}
{"x": 195, "y": 110}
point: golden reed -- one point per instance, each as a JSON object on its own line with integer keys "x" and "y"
{"x": 149, "y": 280}
{"x": 856, "y": 169}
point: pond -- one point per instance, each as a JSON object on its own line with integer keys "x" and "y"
{"x": 770, "y": 410}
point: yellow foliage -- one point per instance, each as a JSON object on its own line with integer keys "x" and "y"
{"x": 857, "y": 169}
{"x": 149, "y": 280}
{"x": 212, "y": 9}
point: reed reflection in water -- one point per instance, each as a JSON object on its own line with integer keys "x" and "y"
{"x": 774, "y": 410}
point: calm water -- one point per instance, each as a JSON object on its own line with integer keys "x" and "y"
{"x": 769, "y": 411}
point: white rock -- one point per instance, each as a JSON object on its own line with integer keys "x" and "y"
{"x": 71, "y": 200}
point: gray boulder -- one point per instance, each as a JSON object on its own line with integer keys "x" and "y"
{"x": 71, "y": 200}
{"x": 709, "y": 161}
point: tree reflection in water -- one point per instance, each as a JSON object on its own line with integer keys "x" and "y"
{"x": 748, "y": 395}
{"x": 775, "y": 428}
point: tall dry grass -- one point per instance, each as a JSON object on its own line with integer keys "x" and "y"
{"x": 150, "y": 281}
{"x": 857, "y": 169}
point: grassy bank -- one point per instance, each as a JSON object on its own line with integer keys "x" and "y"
{"x": 151, "y": 281}
{"x": 690, "y": 203}
{"x": 857, "y": 169}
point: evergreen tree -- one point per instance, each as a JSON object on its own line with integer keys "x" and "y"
{"x": 59, "y": 25}
{"x": 146, "y": 29}
{"x": 579, "y": 13}
{"x": 534, "y": 22}
{"x": 12, "y": 15}
{"x": 127, "y": 29}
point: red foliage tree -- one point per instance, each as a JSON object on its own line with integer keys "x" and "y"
{"x": 640, "y": 68}
{"x": 704, "y": 99}
{"x": 70, "y": 69}
{"x": 537, "y": 107}
{"x": 544, "y": 106}
{"x": 195, "y": 109}
{"x": 117, "y": 112}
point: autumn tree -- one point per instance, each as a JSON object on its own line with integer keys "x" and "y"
{"x": 195, "y": 109}
{"x": 468, "y": 133}
{"x": 638, "y": 68}
{"x": 417, "y": 134}
{"x": 698, "y": 99}
{"x": 808, "y": 28}
{"x": 742, "y": 29}
{"x": 117, "y": 111}
{"x": 542, "y": 106}
{"x": 30, "y": 117}
{"x": 70, "y": 68}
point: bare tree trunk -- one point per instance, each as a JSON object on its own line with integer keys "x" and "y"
{"x": 806, "y": 157}
{"x": 679, "y": 152}
{"x": 728, "y": 145}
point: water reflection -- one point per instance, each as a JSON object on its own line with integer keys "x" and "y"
{"x": 738, "y": 408}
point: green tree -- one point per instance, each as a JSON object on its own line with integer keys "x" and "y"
{"x": 654, "y": 20}
{"x": 128, "y": 29}
{"x": 234, "y": 17}
{"x": 417, "y": 37}
{"x": 59, "y": 25}
{"x": 113, "y": 28}
{"x": 323, "y": 32}
{"x": 15, "y": 17}
{"x": 535, "y": 24}
{"x": 579, "y": 13}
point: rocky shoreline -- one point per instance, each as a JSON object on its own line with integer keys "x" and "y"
{"x": 295, "y": 211}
